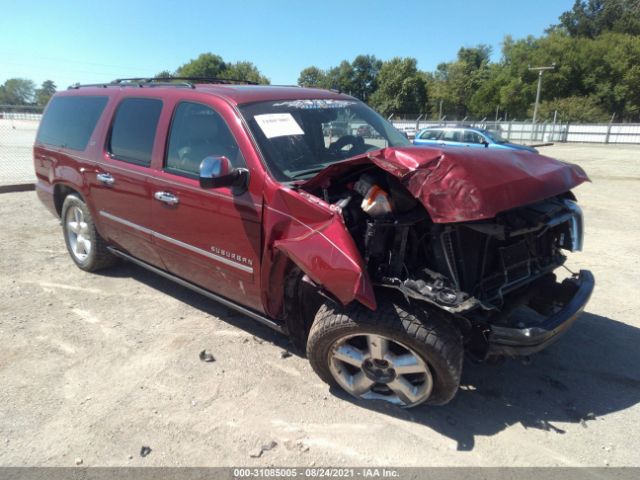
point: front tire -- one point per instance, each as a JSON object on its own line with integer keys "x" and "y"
{"x": 400, "y": 353}
{"x": 86, "y": 247}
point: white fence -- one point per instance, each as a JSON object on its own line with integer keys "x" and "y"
{"x": 17, "y": 134}
{"x": 18, "y": 130}
{"x": 526, "y": 132}
{"x": 20, "y": 116}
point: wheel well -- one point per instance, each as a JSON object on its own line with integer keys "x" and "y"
{"x": 60, "y": 192}
{"x": 301, "y": 303}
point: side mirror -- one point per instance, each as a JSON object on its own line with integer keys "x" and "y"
{"x": 485, "y": 143}
{"x": 217, "y": 172}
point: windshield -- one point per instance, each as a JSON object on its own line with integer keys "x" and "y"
{"x": 495, "y": 135}
{"x": 301, "y": 137}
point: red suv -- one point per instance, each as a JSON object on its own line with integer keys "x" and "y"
{"x": 385, "y": 262}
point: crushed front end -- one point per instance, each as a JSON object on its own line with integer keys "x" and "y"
{"x": 494, "y": 276}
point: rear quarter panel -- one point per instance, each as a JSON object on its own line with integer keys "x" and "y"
{"x": 57, "y": 166}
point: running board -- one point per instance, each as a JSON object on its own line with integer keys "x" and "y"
{"x": 227, "y": 303}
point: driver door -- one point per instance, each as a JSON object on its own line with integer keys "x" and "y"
{"x": 209, "y": 237}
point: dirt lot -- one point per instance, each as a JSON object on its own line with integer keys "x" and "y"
{"x": 93, "y": 367}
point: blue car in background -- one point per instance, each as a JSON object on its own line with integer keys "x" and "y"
{"x": 466, "y": 137}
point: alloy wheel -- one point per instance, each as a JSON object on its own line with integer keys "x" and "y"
{"x": 375, "y": 367}
{"x": 78, "y": 233}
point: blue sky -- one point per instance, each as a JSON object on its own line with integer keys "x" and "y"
{"x": 94, "y": 41}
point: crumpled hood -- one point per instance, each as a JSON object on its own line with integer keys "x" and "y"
{"x": 466, "y": 184}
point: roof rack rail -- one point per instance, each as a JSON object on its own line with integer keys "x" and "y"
{"x": 164, "y": 82}
{"x": 187, "y": 79}
{"x": 131, "y": 84}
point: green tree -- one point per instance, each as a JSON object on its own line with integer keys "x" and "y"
{"x": 213, "y": 66}
{"x": 206, "y": 65}
{"x": 574, "y": 109}
{"x": 341, "y": 78}
{"x": 365, "y": 70}
{"x": 164, "y": 74}
{"x": 246, "y": 71}
{"x": 45, "y": 92}
{"x": 401, "y": 88}
{"x": 590, "y": 18}
{"x": 17, "y": 91}
{"x": 631, "y": 85}
{"x": 357, "y": 78}
{"x": 485, "y": 96}
{"x": 455, "y": 83}
{"x": 312, "y": 77}
{"x": 602, "y": 68}
{"x": 475, "y": 57}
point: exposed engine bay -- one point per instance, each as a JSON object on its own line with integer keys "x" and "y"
{"x": 478, "y": 270}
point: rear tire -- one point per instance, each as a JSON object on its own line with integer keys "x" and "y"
{"x": 86, "y": 247}
{"x": 402, "y": 353}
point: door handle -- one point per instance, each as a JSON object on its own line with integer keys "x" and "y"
{"x": 105, "y": 178}
{"x": 166, "y": 197}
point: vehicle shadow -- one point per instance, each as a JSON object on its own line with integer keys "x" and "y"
{"x": 200, "y": 302}
{"x": 590, "y": 372}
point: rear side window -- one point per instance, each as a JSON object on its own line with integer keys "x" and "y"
{"x": 134, "y": 130}
{"x": 70, "y": 121}
{"x": 452, "y": 135}
{"x": 472, "y": 137}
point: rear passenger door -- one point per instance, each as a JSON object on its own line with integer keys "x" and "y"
{"x": 210, "y": 237}
{"x": 451, "y": 138}
{"x": 119, "y": 186}
{"x": 473, "y": 139}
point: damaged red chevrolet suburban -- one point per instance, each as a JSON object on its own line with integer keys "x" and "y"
{"x": 308, "y": 212}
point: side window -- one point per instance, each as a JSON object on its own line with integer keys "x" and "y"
{"x": 70, "y": 121}
{"x": 451, "y": 136}
{"x": 430, "y": 134}
{"x": 472, "y": 137}
{"x": 134, "y": 130}
{"x": 197, "y": 132}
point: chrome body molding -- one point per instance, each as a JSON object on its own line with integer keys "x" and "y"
{"x": 186, "y": 246}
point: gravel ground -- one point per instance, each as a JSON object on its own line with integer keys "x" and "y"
{"x": 95, "y": 366}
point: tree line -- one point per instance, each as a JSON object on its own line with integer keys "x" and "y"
{"x": 23, "y": 92}
{"x": 213, "y": 66}
{"x": 595, "y": 50}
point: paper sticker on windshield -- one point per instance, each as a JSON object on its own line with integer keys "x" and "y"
{"x": 278, "y": 125}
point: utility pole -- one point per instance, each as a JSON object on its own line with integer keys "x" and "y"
{"x": 540, "y": 70}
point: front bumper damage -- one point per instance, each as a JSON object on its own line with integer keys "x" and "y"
{"x": 530, "y": 339}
